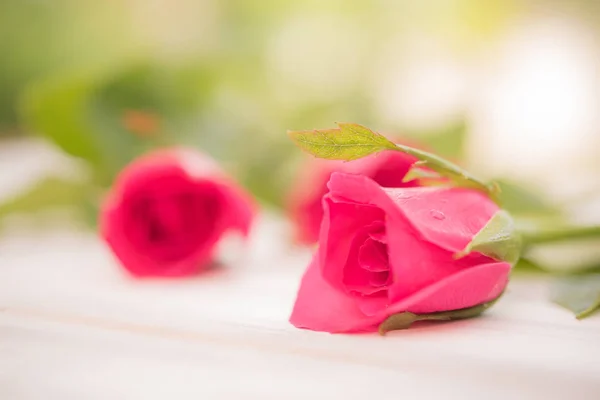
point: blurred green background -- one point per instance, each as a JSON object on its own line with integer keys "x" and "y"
{"x": 508, "y": 88}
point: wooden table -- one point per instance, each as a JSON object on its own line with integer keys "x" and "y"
{"x": 74, "y": 326}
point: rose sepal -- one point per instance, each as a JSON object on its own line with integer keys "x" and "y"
{"x": 404, "y": 320}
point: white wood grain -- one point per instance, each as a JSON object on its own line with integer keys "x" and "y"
{"x": 74, "y": 326}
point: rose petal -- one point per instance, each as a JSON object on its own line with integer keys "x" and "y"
{"x": 467, "y": 288}
{"x": 321, "y": 307}
{"x": 379, "y": 235}
{"x": 426, "y": 277}
{"x": 404, "y": 246}
{"x": 336, "y": 243}
{"x": 339, "y": 249}
{"x": 305, "y": 199}
{"x": 304, "y": 203}
{"x": 415, "y": 263}
{"x": 379, "y": 279}
{"x": 371, "y": 305}
{"x": 356, "y": 279}
{"x": 137, "y": 262}
{"x": 386, "y": 168}
{"x": 240, "y": 207}
{"x": 448, "y": 217}
{"x": 372, "y": 256}
{"x": 464, "y": 289}
{"x": 191, "y": 204}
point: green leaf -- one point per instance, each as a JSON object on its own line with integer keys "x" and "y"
{"x": 579, "y": 294}
{"x": 497, "y": 239}
{"x": 353, "y": 141}
{"x": 406, "y": 319}
{"x": 349, "y": 142}
{"x": 57, "y": 109}
{"x": 52, "y": 193}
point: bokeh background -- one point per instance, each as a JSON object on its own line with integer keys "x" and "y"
{"x": 509, "y": 88}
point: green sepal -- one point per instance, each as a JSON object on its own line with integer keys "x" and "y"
{"x": 416, "y": 172}
{"x": 498, "y": 239}
{"x": 453, "y": 172}
{"x": 405, "y": 319}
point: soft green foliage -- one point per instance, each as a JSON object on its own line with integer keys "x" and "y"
{"x": 405, "y": 319}
{"x": 579, "y": 294}
{"x": 233, "y": 79}
{"x": 579, "y": 255}
{"x": 559, "y": 232}
{"x": 42, "y": 37}
{"x": 554, "y": 245}
{"x": 447, "y": 141}
{"x": 498, "y": 239}
{"x": 519, "y": 200}
{"x": 108, "y": 119}
{"x": 53, "y": 193}
{"x": 531, "y": 265}
{"x": 108, "y": 116}
{"x": 349, "y": 142}
{"x": 527, "y": 266}
{"x": 57, "y": 110}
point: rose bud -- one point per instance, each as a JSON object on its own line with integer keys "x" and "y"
{"x": 305, "y": 209}
{"x": 393, "y": 252}
{"x": 167, "y": 211}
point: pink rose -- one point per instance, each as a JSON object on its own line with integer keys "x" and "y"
{"x": 305, "y": 207}
{"x": 167, "y": 210}
{"x": 385, "y": 251}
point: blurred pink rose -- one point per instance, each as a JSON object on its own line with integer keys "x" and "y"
{"x": 384, "y": 251}
{"x": 167, "y": 210}
{"x": 304, "y": 204}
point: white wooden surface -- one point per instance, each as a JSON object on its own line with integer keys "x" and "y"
{"x": 73, "y": 326}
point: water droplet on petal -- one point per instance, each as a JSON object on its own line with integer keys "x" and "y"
{"x": 436, "y": 214}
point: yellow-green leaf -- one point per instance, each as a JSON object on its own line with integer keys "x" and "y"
{"x": 349, "y": 142}
{"x": 353, "y": 141}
